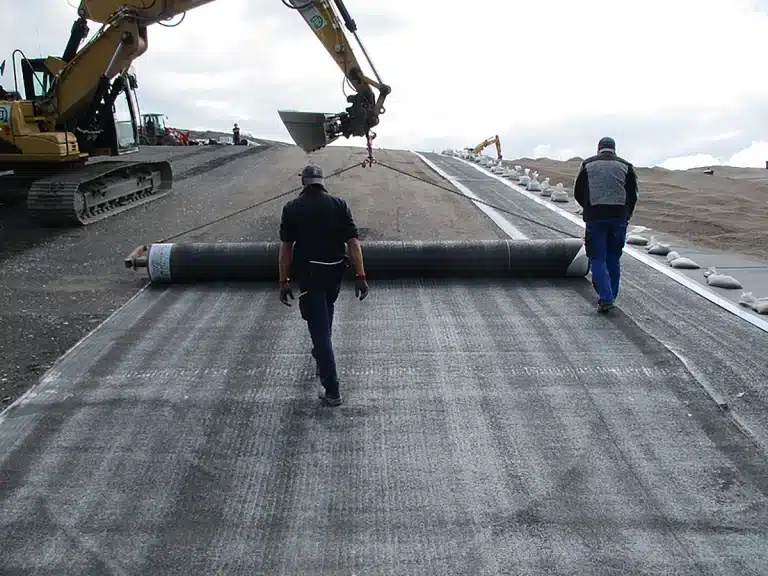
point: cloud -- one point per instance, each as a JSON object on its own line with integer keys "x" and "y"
{"x": 754, "y": 156}
{"x": 666, "y": 79}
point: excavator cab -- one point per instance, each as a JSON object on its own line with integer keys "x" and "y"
{"x": 117, "y": 120}
{"x": 38, "y": 80}
{"x": 108, "y": 126}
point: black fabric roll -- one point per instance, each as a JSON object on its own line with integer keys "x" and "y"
{"x": 257, "y": 261}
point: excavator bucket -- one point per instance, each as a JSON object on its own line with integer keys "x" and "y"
{"x": 309, "y": 130}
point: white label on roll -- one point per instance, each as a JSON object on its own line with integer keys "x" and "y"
{"x": 159, "y": 264}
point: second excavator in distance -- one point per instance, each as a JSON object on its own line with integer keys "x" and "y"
{"x": 83, "y": 105}
{"x": 484, "y": 144}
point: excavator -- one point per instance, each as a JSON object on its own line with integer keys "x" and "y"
{"x": 485, "y": 143}
{"x": 83, "y": 106}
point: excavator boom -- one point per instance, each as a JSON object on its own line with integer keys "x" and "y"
{"x": 310, "y": 131}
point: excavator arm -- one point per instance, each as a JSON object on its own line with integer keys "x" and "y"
{"x": 487, "y": 142}
{"x": 123, "y": 38}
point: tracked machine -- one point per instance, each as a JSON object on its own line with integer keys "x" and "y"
{"x": 484, "y": 144}
{"x": 82, "y": 106}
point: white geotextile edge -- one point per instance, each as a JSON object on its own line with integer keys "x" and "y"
{"x": 493, "y": 214}
{"x": 578, "y": 267}
{"x": 637, "y": 255}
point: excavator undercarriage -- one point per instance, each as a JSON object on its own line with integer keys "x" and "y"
{"x": 90, "y": 193}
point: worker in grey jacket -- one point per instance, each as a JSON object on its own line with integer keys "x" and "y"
{"x": 606, "y": 189}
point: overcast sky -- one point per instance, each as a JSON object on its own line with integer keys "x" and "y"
{"x": 676, "y": 82}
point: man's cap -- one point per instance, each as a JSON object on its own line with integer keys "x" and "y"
{"x": 312, "y": 174}
{"x": 606, "y": 143}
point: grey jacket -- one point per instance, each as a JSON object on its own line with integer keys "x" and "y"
{"x": 606, "y": 187}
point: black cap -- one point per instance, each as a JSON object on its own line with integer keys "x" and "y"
{"x": 606, "y": 143}
{"x": 312, "y": 174}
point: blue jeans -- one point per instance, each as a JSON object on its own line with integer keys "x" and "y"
{"x": 317, "y": 306}
{"x": 604, "y": 241}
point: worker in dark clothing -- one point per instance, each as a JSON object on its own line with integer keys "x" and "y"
{"x": 606, "y": 189}
{"x": 313, "y": 231}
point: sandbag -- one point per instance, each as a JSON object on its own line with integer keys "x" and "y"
{"x": 546, "y": 188}
{"x": 672, "y": 256}
{"x": 684, "y": 263}
{"x": 637, "y": 240}
{"x": 714, "y": 278}
{"x": 559, "y": 196}
{"x": 533, "y": 185}
{"x": 657, "y": 248}
{"x": 759, "y": 305}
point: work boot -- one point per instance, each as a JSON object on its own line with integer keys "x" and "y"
{"x": 603, "y": 307}
{"x": 333, "y": 400}
{"x": 332, "y": 397}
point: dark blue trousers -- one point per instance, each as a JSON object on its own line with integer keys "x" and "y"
{"x": 317, "y": 305}
{"x": 604, "y": 241}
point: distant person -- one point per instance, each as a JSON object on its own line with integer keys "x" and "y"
{"x": 313, "y": 231}
{"x": 236, "y": 134}
{"x": 150, "y": 128}
{"x": 606, "y": 188}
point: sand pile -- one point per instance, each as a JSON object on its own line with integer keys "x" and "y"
{"x": 727, "y": 210}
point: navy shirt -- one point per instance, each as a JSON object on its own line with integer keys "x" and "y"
{"x": 319, "y": 224}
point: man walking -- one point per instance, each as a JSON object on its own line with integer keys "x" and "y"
{"x": 313, "y": 231}
{"x": 606, "y": 188}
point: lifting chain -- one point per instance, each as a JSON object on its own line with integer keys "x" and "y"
{"x": 370, "y": 160}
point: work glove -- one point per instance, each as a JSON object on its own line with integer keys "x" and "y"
{"x": 361, "y": 287}
{"x": 285, "y": 293}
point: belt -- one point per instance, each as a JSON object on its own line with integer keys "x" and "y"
{"x": 326, "y": 263}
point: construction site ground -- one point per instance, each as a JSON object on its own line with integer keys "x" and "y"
{"x": 489, "y": 427}
{"x": 728, "y": 352}
{"x": 57, "y": 285}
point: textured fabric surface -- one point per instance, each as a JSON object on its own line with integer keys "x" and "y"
{"x": 727, "y": 353}
{"x": 489, "y": 427}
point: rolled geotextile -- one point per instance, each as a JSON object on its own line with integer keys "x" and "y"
{"x": 257, "y": 261}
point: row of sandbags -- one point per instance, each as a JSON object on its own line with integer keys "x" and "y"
{"x": 517, "y": 174}
{"x": 530, "y": 181}
{"x": 714, "y": 278}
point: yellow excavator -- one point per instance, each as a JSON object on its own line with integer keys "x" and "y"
{"x": 83, "y": 105}
{"x": 485, "y": 143}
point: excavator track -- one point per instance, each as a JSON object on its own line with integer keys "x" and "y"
{"x": 96, "y": 191}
